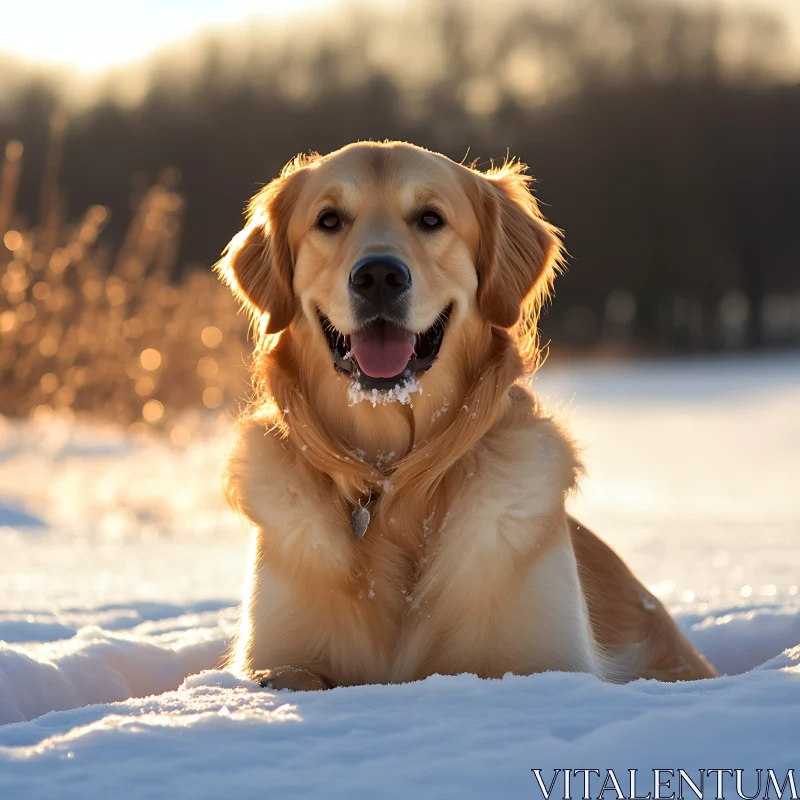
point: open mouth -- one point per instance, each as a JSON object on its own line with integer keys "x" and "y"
{"x": 381, "y": 354}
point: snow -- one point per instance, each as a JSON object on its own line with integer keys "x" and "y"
{"x": 401, "y": 393}
{"x": 122, "y": 566}
{"x": 444, "y": 737}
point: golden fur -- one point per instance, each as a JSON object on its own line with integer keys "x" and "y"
{"x": 470, "y": 562}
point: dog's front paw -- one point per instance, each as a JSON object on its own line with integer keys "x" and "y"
{"x": 295, "y": 679}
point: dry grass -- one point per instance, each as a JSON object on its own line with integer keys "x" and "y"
{"x": 87, "y": 331}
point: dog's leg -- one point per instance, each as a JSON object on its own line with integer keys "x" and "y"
{"x": 630, "y": 622}
{"x": 293, "y": 679}
{"x": 514, "y": 600}
{"x": 305, "y": 614}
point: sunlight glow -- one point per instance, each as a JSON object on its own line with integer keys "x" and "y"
{"x": 92, "y": 35}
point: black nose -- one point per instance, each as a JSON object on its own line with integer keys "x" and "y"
{"x": 380, "y": 280}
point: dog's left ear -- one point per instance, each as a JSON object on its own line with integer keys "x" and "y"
{"x": 257, "y": 264}
{"x": 519, "y": 251}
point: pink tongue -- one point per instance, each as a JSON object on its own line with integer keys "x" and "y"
{"x": 382, "y": 350}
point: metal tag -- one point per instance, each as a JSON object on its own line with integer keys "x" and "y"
{"x": 360, "y": 521}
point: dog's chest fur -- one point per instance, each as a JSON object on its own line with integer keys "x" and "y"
{"x": 434, "y": 588}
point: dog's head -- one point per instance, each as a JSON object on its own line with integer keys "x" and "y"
{"x": 384, "y": 250}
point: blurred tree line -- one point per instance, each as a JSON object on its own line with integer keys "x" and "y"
{"x": 663, "y": 137}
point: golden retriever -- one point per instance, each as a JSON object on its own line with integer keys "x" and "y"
{"x": 406, "y": 490}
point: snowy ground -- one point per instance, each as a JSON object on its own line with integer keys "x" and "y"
{"x": 121, "y": 567}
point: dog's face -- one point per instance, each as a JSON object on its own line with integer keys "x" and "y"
{"x": 383, "y": 250}
{"x": 384, "y": 259}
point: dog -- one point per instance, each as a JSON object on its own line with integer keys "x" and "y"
{"x": 406, "y": 489}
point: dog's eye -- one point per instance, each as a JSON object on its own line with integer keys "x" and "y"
{"x": 430, "y": 220}
{"x": 329, "y": 221}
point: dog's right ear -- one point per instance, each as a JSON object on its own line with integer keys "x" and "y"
{"x": 257, "y": 263}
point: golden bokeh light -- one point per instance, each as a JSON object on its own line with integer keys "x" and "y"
{"x": 48, "y": 346}
{"x": 12, "y": 240}
{"x": 26, "y": 312}
{"x": 49, "y": 383}
{"x": 115, "y": 291}
{"x": 137, "y": 429}
{"x": 27, "y": 335}
{"x": 212, "y": 397}
{"x": 42, "y": 413}
{"x": 144, "y": 386}
{"x": 152, "y": 411}
{"x": 207, "y": 367}
{"x": 41, "y": 290}
{"x": 92, "y": 290}
{"x": 65, "y": 396}
{"x": 8, "y": 321}
{"x": 150, "y": 359}
{"x": 211, "y": 337}
{"x": 60, "y": 259}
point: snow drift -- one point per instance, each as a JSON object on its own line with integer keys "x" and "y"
{"x": 120, "y": 576}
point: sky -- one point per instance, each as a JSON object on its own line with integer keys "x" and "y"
{"x": 91, "y": 36}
